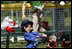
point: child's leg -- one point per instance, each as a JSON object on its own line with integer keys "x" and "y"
{"x": 35, "y": 22}
{"x": 29, "y": 45}
{"x": 36, "y": 44}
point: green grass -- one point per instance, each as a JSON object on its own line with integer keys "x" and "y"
{"x": 22, "y": 44}
{"x": 14, "y": 44}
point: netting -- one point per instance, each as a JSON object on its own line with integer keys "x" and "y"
{"x": 48, "y": 15}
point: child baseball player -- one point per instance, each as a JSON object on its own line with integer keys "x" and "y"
{"x": 30, "y": 37}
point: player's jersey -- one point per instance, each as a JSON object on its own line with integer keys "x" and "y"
{"x": 6, "y": 23}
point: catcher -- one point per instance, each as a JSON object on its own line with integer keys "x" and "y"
{"x": 52, "y": 42}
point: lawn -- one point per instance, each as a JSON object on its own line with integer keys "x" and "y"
{"x": 22, "y": 44}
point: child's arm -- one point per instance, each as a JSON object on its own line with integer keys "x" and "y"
{"x": 40, "y": 35}
{"x": 23, "y": 10}
{"x": 29, "y": 37}
{"x": 44, "y": 4}
{"x": 44, "y": 35}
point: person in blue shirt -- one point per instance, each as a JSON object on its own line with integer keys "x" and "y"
{"x": 30, "y": 37}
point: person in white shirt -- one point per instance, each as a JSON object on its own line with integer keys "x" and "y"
{"x": 8, "y": 24}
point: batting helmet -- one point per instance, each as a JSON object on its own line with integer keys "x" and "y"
{"x": 25, "y": 24}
